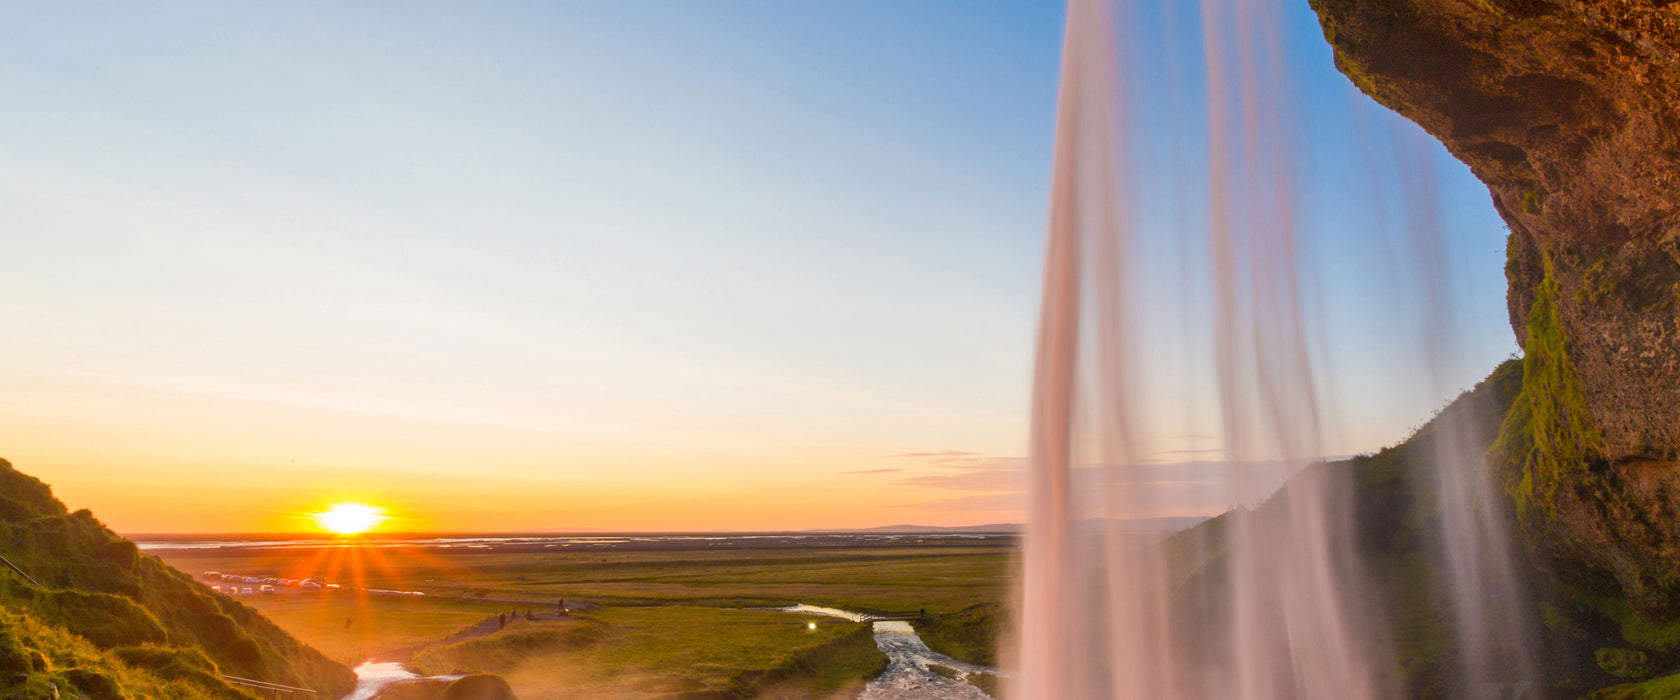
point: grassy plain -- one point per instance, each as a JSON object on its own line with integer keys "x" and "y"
{"x": 654, "y": 652}
{"x": 658, "y": 622}
{"x": 350, "y": 628}
{"x": 939, "y": 576}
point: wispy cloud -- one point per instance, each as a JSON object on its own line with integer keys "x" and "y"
{"x": 995, "y": 474}
{"x": 885, "y": 470}
{"x": 946, "y": 453}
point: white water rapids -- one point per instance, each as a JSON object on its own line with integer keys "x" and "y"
{"x": 908, "y": 676}
{"x": 372, "y": 677}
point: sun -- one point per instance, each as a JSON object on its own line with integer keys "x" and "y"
{"x": 349, "y": 518}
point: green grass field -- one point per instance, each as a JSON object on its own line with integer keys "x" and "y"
{"x": 940, "y": 577}
{"x": 661, "y": 623}
{"x": 350, "y": 628}
{"x": 653, "y": 652}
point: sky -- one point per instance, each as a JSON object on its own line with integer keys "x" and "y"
{"x": 644, "y": 266}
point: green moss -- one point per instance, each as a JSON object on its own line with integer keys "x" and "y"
{"x": 1656, "y": 635}
{"x": 1547, "y": 437}
{"x": 1596, "y": 284}
{"x": 1665, "y": 688}
{"x": 1623, "y": 663}
{"x": 1560, "y": 622}
{"x": 942, "y": 671}
{"x": 1531, "y": 202}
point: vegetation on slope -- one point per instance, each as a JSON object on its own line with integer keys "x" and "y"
{"x": 129, "y": 618}
{"x": 1392, "y": 518}
{"x": 1664, "y": 688}
{"x": 1547, "y": 437}
{"x": 1593, "y": 624}
{"x": 40, "y": 661}
{"x": 971, "y": 635}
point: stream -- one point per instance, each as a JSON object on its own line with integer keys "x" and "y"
{"x": 907, "y": 676}
{"x": 373, "y": 677}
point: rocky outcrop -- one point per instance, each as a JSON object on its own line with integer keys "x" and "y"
{"x": 476, "y": 686}
{"x": 1569, "y": 111}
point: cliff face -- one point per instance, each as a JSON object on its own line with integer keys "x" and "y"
{"x": 1569, "y": 111}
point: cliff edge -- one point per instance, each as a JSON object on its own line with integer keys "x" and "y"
{"x": 1569, "y": 111}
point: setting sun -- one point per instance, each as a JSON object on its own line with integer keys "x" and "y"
{"x": 349, "y": 518}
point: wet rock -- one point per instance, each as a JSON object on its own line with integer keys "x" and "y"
{"x": 417, "y": 689}
{"x": 482, "y": 686}
{"x": 1569, "y": 111}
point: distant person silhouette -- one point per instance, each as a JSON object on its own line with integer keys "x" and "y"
{"x": 501, "y": 621}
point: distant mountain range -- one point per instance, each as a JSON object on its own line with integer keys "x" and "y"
{"x": 1138, "y": 526}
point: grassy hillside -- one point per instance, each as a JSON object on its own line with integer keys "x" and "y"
{"x": 1391, "y": 520}
{"x": 971, "y": 635}
{"x": 1586, "y": 638}
{"x": 109, "y": 621}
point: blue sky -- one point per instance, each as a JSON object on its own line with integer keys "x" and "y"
{"x": 648, "y": 265}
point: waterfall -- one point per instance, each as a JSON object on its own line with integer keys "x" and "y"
{"x": 1264, "y": 603}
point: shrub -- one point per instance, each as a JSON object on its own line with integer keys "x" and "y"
{"x": 94, "y": 684}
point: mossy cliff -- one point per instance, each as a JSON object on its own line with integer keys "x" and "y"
{"x": 103, "y": 620}
{"x": 1569, "y": 111}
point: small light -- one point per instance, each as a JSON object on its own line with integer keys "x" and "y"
{"x": 810, "y": 625}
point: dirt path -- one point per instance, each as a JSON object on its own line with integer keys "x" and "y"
{"x": 486, "y": 626}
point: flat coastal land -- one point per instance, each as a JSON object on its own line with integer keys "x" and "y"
{"x": 647, "y": 615}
